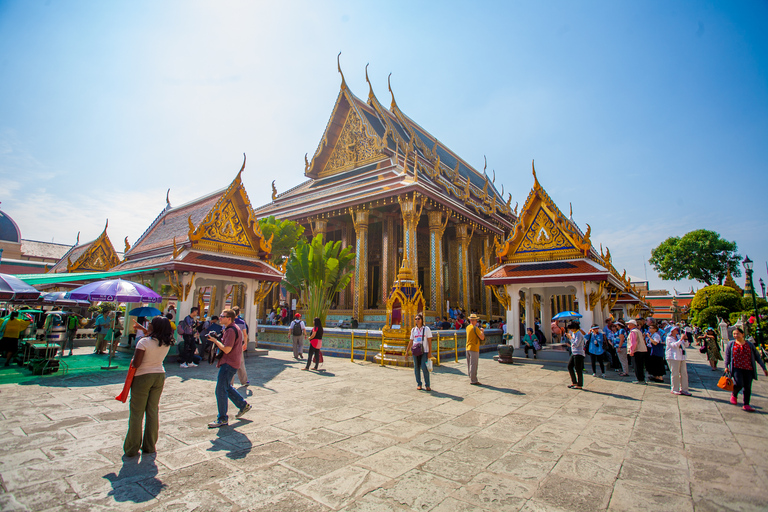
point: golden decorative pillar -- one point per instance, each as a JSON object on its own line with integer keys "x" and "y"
{"x": 411, "y": 212}
{"x": 344, "y": 294}
{"x": 360, "y": 288}
{"x": 436, "y": 230}
{"x": 319, "y": 226}
{"x": 463, "y": 237}
{"x": 487, "y": 257}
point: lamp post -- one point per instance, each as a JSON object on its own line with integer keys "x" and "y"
{"x": 748, "y": 267}
{"x": 762, "y": 286}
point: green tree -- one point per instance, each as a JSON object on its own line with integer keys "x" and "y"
{"x": 700, "y": 255}
{"x": 315, "y": 272}
{"x": 287, "y": 235}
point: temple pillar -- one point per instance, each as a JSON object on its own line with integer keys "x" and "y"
{"x": 436, "y": 231}
{"x": 487, "y": 256}
{"x": 513, "y": 315}
{"x": 319, "y": 226}
{"x": 344, "y": 294}
{"x": 463, "y": 237}
{"x": 411, "y": 212}
{"x": 546, "y": 314}
{"x": 360, "y": 283}
{"x": 583, "y": 299}
{"x": 528, "y": 308}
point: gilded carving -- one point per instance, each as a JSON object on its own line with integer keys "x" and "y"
{"x": 354, "y": 147}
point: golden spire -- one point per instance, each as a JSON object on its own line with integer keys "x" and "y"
{"x": 127, "y": 245}
{"x": 338, "y": 64}
{"x": 370, "y": 87}
{"x": 168, "y": 198}
{"x": 241, "y": 168}
{"x": 389, "y": 86}
{"x": 485, "y": 165}
{"x": 535, "y": 179}
{"x": 274, "y": 190}
{"x": 77, "y": 242}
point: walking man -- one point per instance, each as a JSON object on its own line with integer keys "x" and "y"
{"x": 188, "y": 333}
{"x": 638, "y": 350}
{"x": 296, "y": 333}
{"x": 232, "y": 346}
{"x": 475, "y": 334}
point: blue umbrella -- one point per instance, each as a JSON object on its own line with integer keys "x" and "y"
{"x": 115, "y": 290}
{"x": 145, "y": 311}
{"x": 564, "y": 315}
{"x": 63, "y": 299}
{"x": 11, "y": 287}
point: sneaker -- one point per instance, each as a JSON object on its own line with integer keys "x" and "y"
{"x": 242, "y": 411}
{"x": 185, "y": 365}
{"x": 748, "y": 408}
{"x": 602, "y": 375}
{"x": 217, "y": 424}
{"x": 733, "y": 400}
{"x": 192, "y": 364}
{"x": 685, "y": 393}
{"x": 676, "y": 392}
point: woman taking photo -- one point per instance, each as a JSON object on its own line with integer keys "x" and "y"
{"x": 741, "y": 360}
{"x": 147, "y": 387}
{"x": 678, "y": 367}
{"x": 419, "y": 345}
{"x": 315, "y": 344}
{"x": 709, "y": 341}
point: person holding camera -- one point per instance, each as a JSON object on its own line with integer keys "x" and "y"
{"x": 231, "y": 345}
{"x": 418, "y": 346}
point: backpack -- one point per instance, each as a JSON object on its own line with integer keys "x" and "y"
{"x": 72, "y": 322}
{"x": 296, "y": 328}
{"x": 184, "y": 327}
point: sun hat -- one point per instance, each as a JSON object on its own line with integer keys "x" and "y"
{"x": 298, "y": 315}
{"x": 474, "y": 317}
{"x": 631, "y": 321}
{"x": 674, "y": 328}
{"x": 594, "y": 326}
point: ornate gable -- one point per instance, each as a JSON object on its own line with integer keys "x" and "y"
{"x": 354, "y": 147}
{"x": 230, "y": 226}
{"x": 98, "y": 257}
{"x": 543, "y": 233}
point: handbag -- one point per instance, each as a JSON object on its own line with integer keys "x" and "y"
{"x": 123, "y": 396}
{"x": 703, "y": 349}
{"x": 725, "y": 383}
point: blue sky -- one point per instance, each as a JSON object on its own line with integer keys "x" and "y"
{"x": 650, "y": 117}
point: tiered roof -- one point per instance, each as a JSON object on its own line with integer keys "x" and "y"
{"x": 370, "y": 155}
{"x": 95, "y": 256}
{"x": 215, "y": 234}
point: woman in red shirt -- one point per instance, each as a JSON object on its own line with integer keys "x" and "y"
{"x": 741, "y": 360}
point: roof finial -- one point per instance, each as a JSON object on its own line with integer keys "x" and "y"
{"x": 535, "y": 179}
{"x": 306, "y": 163}
{"x": 168, "y": 198}
{"x": 77, "y": 242}
{"x": 485, "y": 166}
{"x": 370, "y": 87}
{"x": 338, "y": 63}
{"x": 494, "y": 177}
{"x": 570, "y": 215}
{"x": 274, "y": 190}
{"x": 389, "y": 86}
{"x": 106, "y": 226}
{"x": 243, "y": 167}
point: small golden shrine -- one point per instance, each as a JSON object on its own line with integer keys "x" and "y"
{"x": 405, "y": 301}
{"x": 96, "y": 256}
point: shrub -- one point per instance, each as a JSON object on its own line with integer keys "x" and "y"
{"x": 748, "y": 305}
{"x": 707, "y": 317}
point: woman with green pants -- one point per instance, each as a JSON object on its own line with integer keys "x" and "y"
{"x": 147, "y": 387}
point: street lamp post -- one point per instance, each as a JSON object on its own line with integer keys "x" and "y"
{"x": 762, "y": 286}
{"x": 748, "y": 267}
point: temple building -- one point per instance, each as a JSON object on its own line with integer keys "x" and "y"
{"x": 98, "y": 255}
{"x": 379, "y": 182}
{"x": 208, "y": 253}
{"x": 548, "y": 264}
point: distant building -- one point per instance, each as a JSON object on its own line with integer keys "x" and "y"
{"x": 19, "y": 256}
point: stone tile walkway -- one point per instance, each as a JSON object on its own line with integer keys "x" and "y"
{"x": 361, "y": 437}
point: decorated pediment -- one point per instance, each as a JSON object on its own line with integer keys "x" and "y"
{"x": 231, "y": 226}
{"x": 543, "y": 233}
{"x": 100, "y": 256}
{"x": 353, "y": 148}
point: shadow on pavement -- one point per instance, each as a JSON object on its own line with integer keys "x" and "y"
{"x": 508, "y": 391}
{"x": 136, "y": 481}
{"x": 228, "y": 439}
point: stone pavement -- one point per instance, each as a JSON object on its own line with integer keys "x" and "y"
{"x": 361, "y": 437}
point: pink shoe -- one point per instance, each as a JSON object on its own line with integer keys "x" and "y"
{"x": 676, "y": 393}
{"x": 733, "y": 400}
{"x": 748, "y": 408}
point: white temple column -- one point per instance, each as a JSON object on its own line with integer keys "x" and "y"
{"x": 546, "y": 314}
{"x": 513, "y": 315}
{"x": 528, "y": 307}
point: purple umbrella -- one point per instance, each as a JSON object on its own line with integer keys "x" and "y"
{"x": 13, "y": 288}
{"x": 115, "y": 290}
{"x": 63, "y": 299}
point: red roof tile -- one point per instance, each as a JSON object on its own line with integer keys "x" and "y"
{"x": 571, "y": 270}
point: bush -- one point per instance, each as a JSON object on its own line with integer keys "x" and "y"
{"x": 716, "y": 295}
{"x": 707, "y": 317}
{"x": 748, "y": 305}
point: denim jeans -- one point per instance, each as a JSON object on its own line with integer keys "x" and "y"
{"x": 225, "y": 390}
{"x": 419, "y": 366}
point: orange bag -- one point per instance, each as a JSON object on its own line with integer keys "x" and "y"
{"x": 725, "y": 383}
{"x": 127, "y": 386}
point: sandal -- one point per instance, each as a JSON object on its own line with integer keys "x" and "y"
{"x": 572, "y": 386}
{"x": 429, "y": 389}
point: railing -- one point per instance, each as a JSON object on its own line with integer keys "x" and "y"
{"x": 455, "y": 347}
{"x": 364, "y": 347}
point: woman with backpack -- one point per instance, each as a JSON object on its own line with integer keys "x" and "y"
{"x": 419, "y": 346}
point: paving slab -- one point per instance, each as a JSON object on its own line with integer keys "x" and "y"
{"x": 361, "y": 438}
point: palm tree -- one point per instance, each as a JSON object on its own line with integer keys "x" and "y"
{"x": 315, "y": 272}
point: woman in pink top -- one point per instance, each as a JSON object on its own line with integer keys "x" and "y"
{"x": 147, "y": 387}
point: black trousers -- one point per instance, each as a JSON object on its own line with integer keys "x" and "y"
{"x": 313, "y": 352}
{"x": 527, "y": 348}
{"x": 742, "y": 379}
{"x": 188, "y": 349}
{"x": 576, "y": 369}
{"x": 640, "y": 358}
{"x": 596, "y": 358}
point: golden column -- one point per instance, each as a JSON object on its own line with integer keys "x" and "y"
{"x": 411, "y": 211}
{"x": 464, "y": 238}
{"x": 319, "y": 226}
{"x": 360, "y": 287}
{"x": 436, "y": 230}
{"x": 488, "y": 257}
{"x": 344, "y": 294}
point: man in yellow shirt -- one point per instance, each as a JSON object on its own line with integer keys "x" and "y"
{"x": 9, "y": 344}
{"x": 475, "y": 334}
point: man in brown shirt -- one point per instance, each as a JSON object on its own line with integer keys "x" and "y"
{"x": 232, "y": 345}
